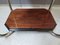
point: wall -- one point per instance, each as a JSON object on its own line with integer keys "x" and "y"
{"x": 29, "y": 1}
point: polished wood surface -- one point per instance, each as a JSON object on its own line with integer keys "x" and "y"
{"x": 30, "y": 18}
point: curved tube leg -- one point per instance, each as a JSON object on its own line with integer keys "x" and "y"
{"x": 1, "y": 35}
{"x": 7, "y": 34}
{"x": 54, "y": 34}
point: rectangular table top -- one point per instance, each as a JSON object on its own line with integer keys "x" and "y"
{"x": 30, "y": 18}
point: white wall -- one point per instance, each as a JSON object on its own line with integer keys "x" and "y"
{"x": 29, "y": 1}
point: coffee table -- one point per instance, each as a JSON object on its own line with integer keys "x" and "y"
{"x": 30, "y": 20}
{"x": 33, "y": 19}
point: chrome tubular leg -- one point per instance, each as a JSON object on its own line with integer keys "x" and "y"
{"x": 51, "y": 4}
{"x": 1, "y": 35}
{"x": 10, "y": 5}
{"x": 54, "y": 34}
{"x": 7, "y": 34}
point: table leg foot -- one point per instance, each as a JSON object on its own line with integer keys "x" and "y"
{"x": 7, "y": 34}
{"x": 54, "y": 34}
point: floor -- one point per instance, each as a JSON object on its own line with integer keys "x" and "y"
{"x": 28, "y": 38}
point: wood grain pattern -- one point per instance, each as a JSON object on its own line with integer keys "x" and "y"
{"x": 31, "y": 18}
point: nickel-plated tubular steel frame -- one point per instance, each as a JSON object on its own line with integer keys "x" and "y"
{"x": 50, "y": 6}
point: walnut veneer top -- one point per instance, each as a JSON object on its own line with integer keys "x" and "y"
{"x": 30, "y": 18}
